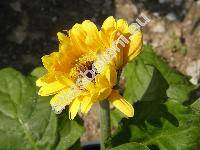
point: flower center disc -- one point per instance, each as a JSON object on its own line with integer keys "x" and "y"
{"x": 83, "y": 63}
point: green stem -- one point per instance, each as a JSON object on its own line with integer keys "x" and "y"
{"x": 105, "y": 122}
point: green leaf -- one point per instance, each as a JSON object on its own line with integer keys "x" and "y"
{"x": 196, "y": 106}
{"x": 138, "y": 75}
{"x": 179, "y": 130}
{"x": 172, "y": 76}
{"x": 39, "y": 72}
{"x": 179, "y": 86}
{"x": 27, "y": 121}
{"x": 70, "y": 131}
{"x": 185, "y": 136}
{"x": 143, "y": 83}
{"x": 158, "y": 93}
{"x": 129, "y": 146}
{"x": 181, "y": 92}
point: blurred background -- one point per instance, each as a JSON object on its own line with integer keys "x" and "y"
{"x": 28, "y": 31}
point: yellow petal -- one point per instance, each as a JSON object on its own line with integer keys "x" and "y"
{"x": 103, "y": 93}
{"x": 120, "y": 103}
{"x": 101, "y": 81}
{"x": 122, "y": 26}
{"x": 51, "y": 88}
{"x": 62, "y": 37}
{"x": 77, "y": 36}
{"x": 111, "y": 74}
{"x": 49, "y": 61}
{"x": 86, "y": 104}
{"x": 109, "y": 24}
{"x": 92, "y": 39}
{"x": 108, "y": 31}
{"x": 59, "y": 101}
{"x": 47, "y": 78}
{"x": 82, "y": 38}
{"x": 137, "y": 51}
{"x": 62, "y": 78}
{"x": 134, "y": 49}
{"x": 63, "y": 98}
{"x": 65, "y": 44}
{"x": 73, "y": 108}
{"x": 86, "y": 84}
{"x": 40, "y": 83}
{"x": 105, "y": 40}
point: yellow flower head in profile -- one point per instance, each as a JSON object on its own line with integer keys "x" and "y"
{"x": 84, "y": 70}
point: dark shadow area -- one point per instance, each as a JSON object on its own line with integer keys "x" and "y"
{"x": 164, "y": 7}
{"x": 194, "y": 95}
{"x": 28, "y": 28}
{"x": 153, "y": 147}
{"x": 91, "y": 146}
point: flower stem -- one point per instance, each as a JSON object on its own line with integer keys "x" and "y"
{"x": 105, "y": 122}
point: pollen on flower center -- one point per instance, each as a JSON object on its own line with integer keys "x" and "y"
{"x": 83, "y": 63}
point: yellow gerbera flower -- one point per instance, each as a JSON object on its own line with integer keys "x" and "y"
{"x": 84, "y": 70}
